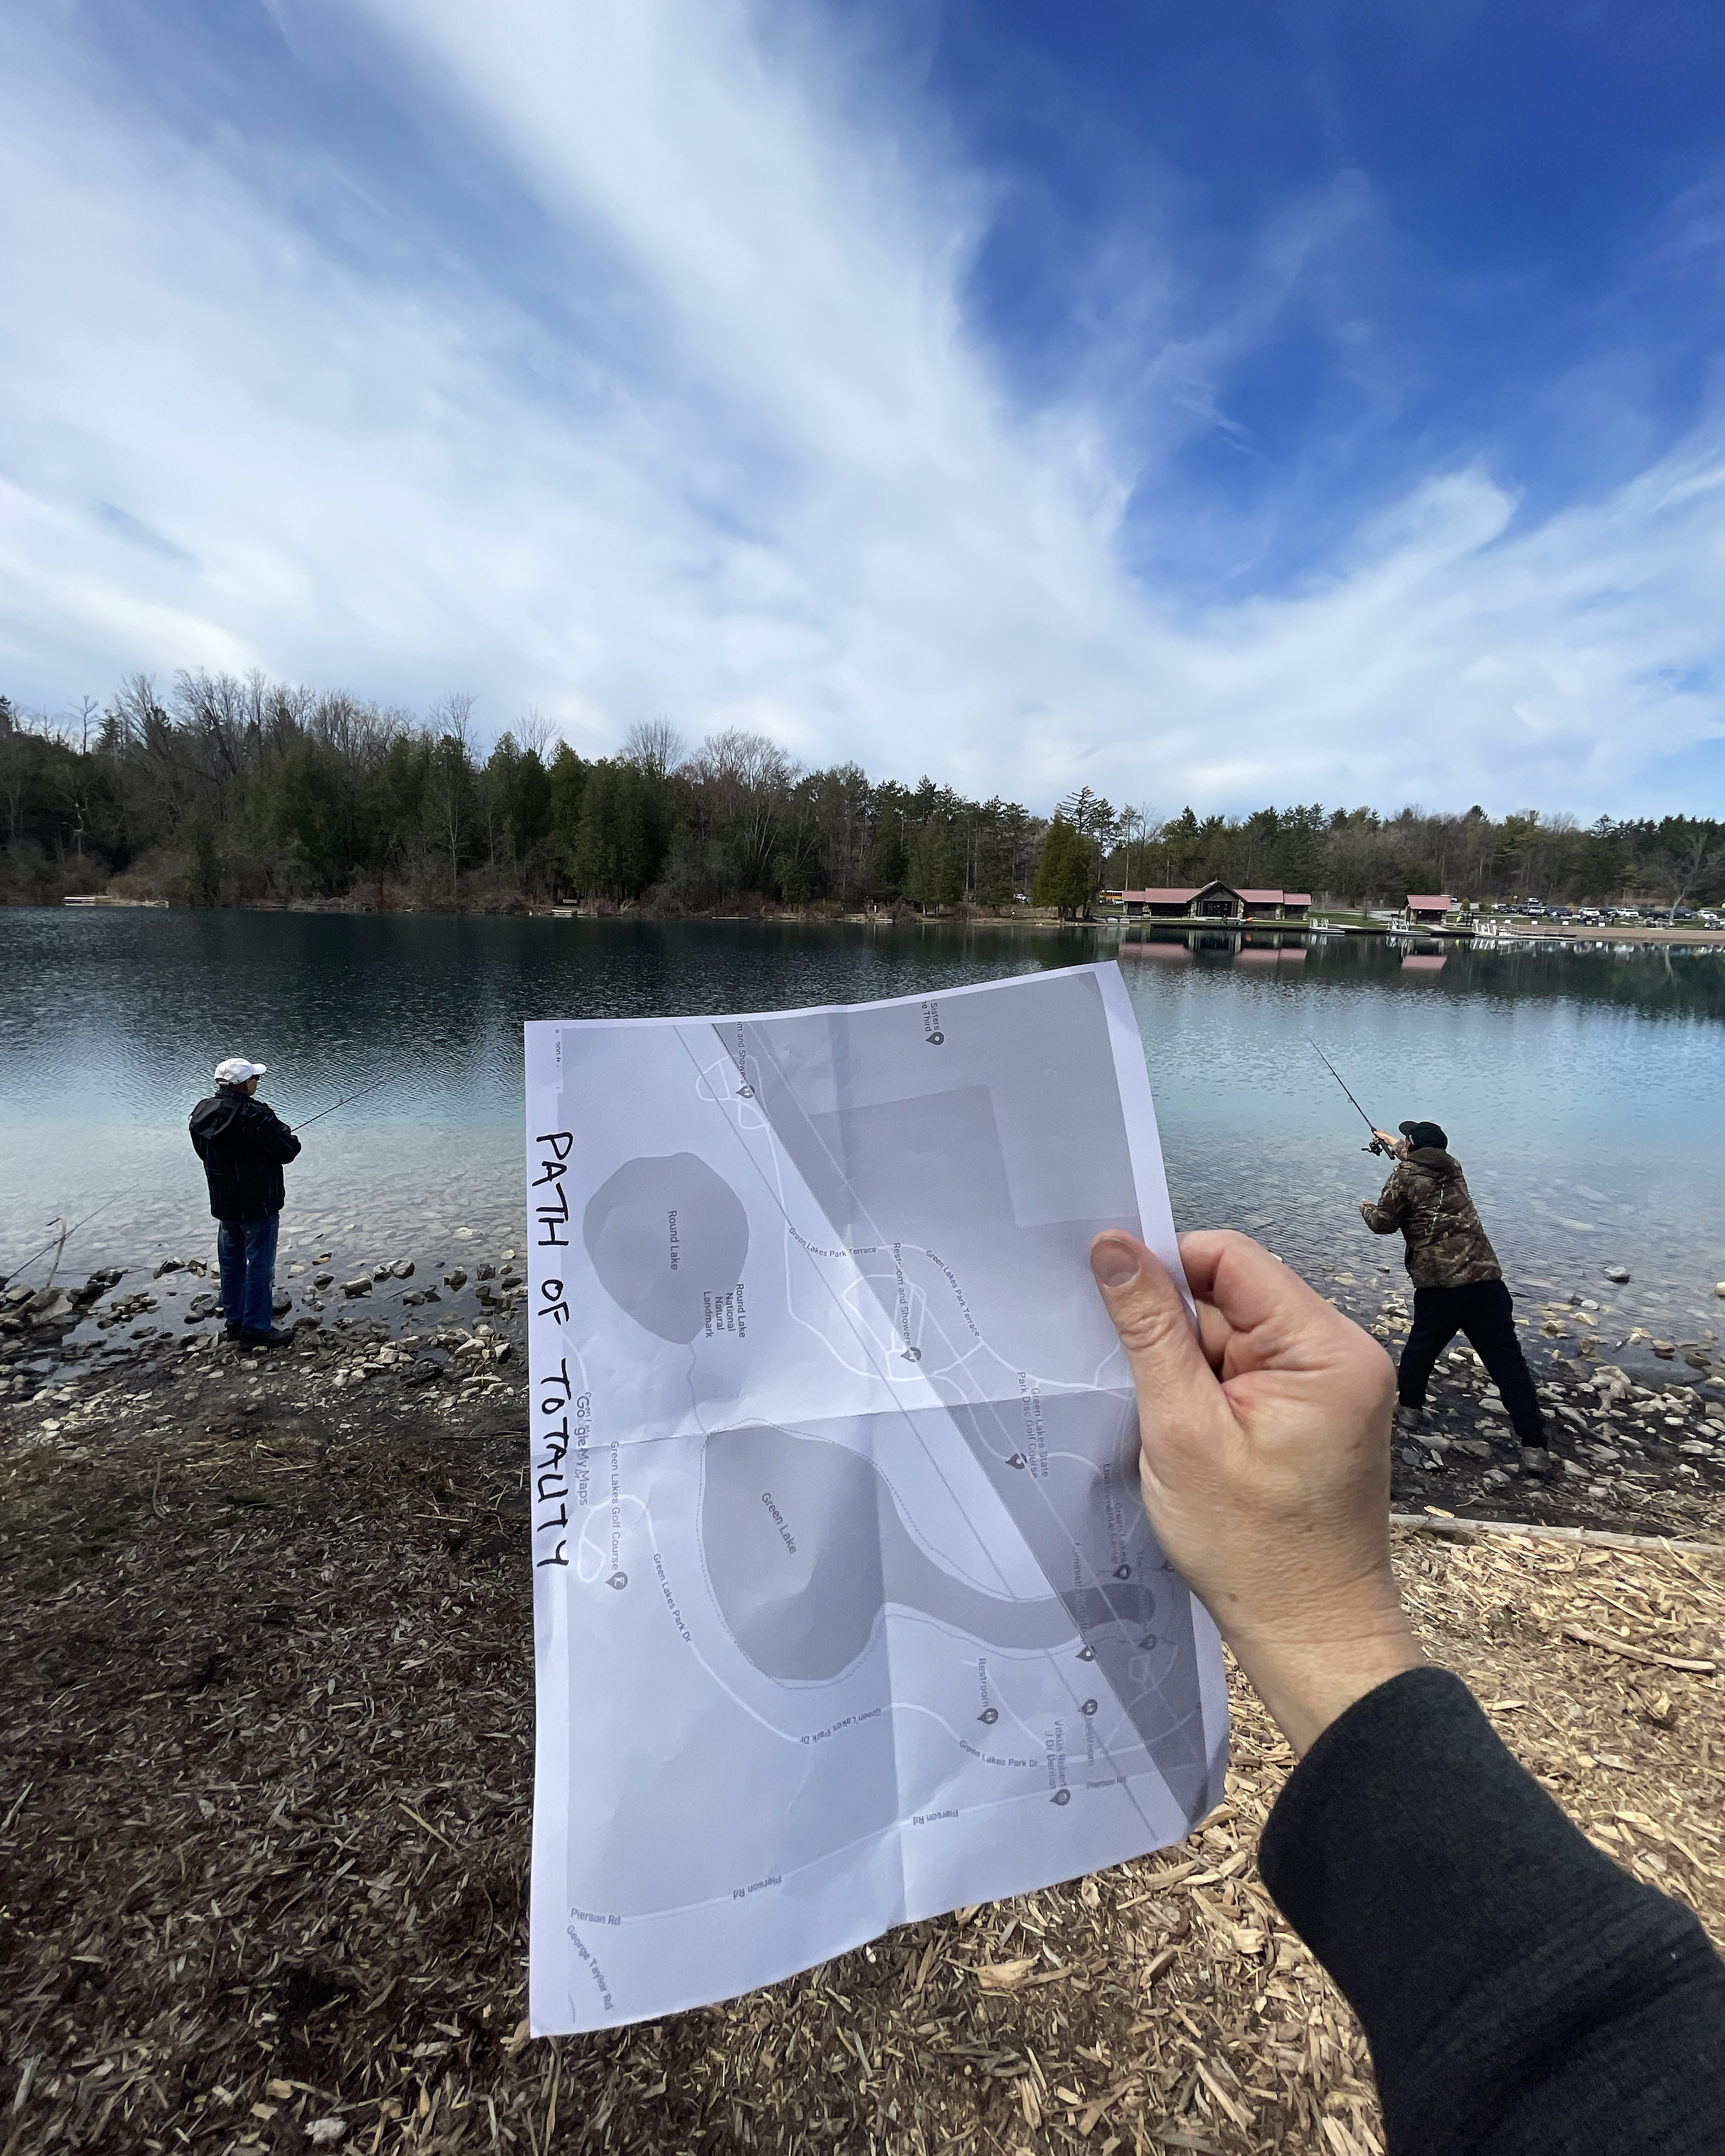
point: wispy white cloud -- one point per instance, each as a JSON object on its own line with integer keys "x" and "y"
{"x": 763, "y": 470}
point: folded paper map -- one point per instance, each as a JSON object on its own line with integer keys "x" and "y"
{"x": 847, "y": 1610}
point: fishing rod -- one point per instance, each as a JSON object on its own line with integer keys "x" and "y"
{"x": 1377, "y": 1144}
{"x": 334, "y": 1105}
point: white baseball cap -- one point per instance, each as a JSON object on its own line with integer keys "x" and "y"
{"x": 234, "y": 1070}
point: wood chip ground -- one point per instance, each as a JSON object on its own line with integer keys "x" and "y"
{"x": 264, "y": 1836}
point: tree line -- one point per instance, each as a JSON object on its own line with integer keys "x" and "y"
{"x": 240, "y": 791}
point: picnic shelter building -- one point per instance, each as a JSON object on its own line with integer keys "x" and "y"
{"x": 1215, "y": 902}
{"x": 1427, "y": 909}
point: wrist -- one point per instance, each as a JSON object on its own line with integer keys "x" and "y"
{"x": 1308, "y": 1684}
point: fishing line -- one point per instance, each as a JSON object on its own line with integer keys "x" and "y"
{"x": 62, "y": 1240}
{"x": 343, "y": 1102}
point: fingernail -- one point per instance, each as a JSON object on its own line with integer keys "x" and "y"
{"x": 1114, "y": 1264}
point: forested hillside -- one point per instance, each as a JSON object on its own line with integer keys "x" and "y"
{"x": 229, "y": 791}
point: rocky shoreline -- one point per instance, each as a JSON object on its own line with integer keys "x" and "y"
{"x": 376, "y": 1351}
{"x": 1631, "y": 1456}
{"x": 1635, "y": 1412}
{"x": 1637, "y": 1422}
{"x": 764, "y": 910}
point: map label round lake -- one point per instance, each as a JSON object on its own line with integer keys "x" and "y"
{"x": 663, "y": 1232}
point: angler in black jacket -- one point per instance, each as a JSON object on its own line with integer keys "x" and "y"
{"x": 243, "y": 1146}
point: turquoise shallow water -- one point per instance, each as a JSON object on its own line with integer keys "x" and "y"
{"x": 1584, "y": 1091}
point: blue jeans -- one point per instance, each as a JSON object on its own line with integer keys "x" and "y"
{"x": 247, "y": 1251}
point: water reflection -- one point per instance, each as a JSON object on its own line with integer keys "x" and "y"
{"x": 1583, "y": 1089}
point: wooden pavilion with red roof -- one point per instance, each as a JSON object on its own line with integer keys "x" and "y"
{"x": 1215, "y": 901}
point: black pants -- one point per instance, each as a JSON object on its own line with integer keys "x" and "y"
{"x": 1484, "y": 1312}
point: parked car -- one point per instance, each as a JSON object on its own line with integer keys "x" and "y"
{"x": 1709, "y": 919}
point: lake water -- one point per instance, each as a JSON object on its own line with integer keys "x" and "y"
{"x": 1583, "y": 1090}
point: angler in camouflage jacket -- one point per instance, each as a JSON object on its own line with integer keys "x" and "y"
{"x": 1427, "y": 1197}
{"x": 1458, "y": 1283}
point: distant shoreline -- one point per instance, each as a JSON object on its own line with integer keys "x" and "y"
{"x": 1044, "y": 917}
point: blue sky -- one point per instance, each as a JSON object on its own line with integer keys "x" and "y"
{"x": 1227, "y": 404}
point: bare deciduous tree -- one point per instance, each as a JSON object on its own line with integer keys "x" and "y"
{"x": 448, "y": 787}
{"x": 745, "y": 778}
{"x": 1686, "y": 857}
{"x": 534, "y": 733}
{"x": 655, "y": 744}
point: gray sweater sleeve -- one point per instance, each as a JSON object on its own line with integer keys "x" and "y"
{"x": 1521, "y": 1993}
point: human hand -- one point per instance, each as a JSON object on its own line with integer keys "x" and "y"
{"x": 1265, "y": 1467}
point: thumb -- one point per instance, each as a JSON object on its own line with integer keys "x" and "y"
{"x": 1169, "y": 1372}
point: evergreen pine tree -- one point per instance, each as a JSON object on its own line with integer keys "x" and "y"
{"x": 993, "y": 882}
{"x": 1067, "y": 876}
{"x": 935, "y": 875}
{"x": 887, "y": 862}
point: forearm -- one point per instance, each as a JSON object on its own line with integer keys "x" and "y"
{"x": 1308, "y": 1684}
{"x": 1514, "y": 1983}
